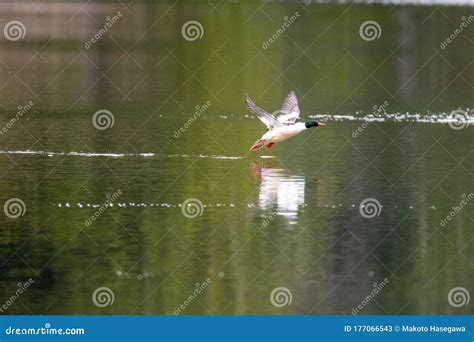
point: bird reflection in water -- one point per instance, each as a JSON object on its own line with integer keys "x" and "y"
{"x": 280, "y": 191}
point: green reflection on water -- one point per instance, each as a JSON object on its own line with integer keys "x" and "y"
{"x": 291, "y": 221}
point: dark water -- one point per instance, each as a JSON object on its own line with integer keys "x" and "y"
{"x": 287, "y": 217}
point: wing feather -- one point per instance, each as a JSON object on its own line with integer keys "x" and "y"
{"x": 290, "y": 109}
{"x": 267, "y": 118}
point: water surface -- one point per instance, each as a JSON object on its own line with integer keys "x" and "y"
{"x": 285, "y": 217}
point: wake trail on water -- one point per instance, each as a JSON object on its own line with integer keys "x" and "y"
{"x": 465, "y": 119}
{"x": 461, "y": 120}
{"x": 122, "y": 155}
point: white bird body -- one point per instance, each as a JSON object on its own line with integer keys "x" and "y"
{"x": 282, "y": 133}
{"x": 284, "y": 126}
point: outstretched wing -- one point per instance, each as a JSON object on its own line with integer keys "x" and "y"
{"x": 290, "y": 110}
{"x": 268, "y": 119}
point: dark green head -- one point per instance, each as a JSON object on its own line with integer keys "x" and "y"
{"x": 310, "y": 124}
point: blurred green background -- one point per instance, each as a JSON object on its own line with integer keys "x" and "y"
{"x": 287, "y": 217}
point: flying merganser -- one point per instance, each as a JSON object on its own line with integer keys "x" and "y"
{"x": 282, "y": 127}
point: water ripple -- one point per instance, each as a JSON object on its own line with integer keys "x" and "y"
{"x": 121, "y": 155}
